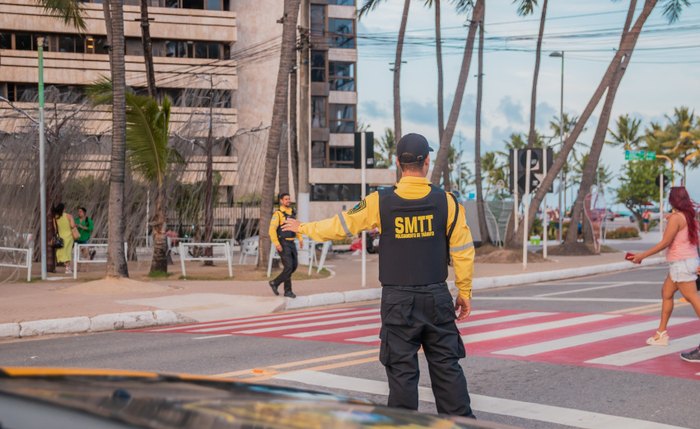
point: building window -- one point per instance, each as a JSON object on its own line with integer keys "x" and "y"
{"x": 67, "y": 43}
{"x": 23, "y": 41}
{"x": 21, "y": 92}
{"x": 197, "y": 4}
{"x": 96, "y": 45}
{"x": 341, "y": 157}
{"x": 341, "y": 76}
{"x": 336, "y": 192}
{"x": 318, "y": 20}
{"x": 318, "y": 112}
{"x": 5, "y": 40}
{"x": 342, "y": 118}
{"x": 342, "y": 2}
{"x": 319, "y": 155}
{"x": 318, "y": 66}
{"x": 341, "y": 33}
{"x": 134, "y": 47}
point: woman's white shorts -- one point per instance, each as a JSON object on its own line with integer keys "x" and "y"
{"x": 684, "y": 270}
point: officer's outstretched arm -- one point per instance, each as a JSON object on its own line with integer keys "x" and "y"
{"x": 365, "y": 215}
{"x": 462, "y": 253}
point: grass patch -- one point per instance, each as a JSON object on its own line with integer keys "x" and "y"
{"x": 159, "y": 275}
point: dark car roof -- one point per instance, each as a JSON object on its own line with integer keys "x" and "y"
{"x": 150, "y": 400}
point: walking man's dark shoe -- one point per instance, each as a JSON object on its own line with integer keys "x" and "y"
{"x": 691, "y": 355}
{"x": 290, "y": 294}
{"x": 273, "y": 287}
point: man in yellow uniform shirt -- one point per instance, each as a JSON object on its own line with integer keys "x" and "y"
{"x": 285, "y": 245}
{"x": 421, "y": 227}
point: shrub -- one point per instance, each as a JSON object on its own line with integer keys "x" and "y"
{"x": 623, "y": 232}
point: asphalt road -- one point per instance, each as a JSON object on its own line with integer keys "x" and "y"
{"x": 549, "y": 355}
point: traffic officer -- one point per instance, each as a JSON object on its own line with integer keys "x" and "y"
{"x": 284, "y": 243}
{"x": 421, "y": 227}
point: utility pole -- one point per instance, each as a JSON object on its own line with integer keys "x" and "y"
{"x": 304, "y": 130}
{"x": 42, "y": 156}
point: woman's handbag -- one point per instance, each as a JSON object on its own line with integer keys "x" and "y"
{"x": 56, "y": 241}
{"x": 75, "y": 232}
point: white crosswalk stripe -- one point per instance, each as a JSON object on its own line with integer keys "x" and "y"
{"x": 319, "y": 333}
{"x": 309, "y": 325}
{"x": 484, "y": 322}
{"x": 591, "y": 337}
{"x": 642, "y": 354}
{"x": 288, "y": 320}
{"x": 537, "y": 327}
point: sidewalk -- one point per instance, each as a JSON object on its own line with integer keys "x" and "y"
{"x": 70, "y": 306}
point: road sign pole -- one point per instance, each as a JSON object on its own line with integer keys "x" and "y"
{"x": 545, "y": 219}
{"x": 515, "y": 191}
{"x": 363, "y": 192}
{"x": 526, "y": 206}
{"x": 661, "y": 203}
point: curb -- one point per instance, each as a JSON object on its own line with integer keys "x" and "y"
{"x": 102, "y": 322}
{"x": 143, "y": 319}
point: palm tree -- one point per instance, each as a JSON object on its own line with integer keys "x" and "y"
{"x": 599, "y": 137}
{"x": 147, "y": 49}
{"x": 367, "y": 7}
{"x": 443, "y": 152}
{"x": 627, "y": 133}
{"x": 386, "y": 149}
{"x": 70, "y": 11}
{"x": 149, "y": 154}
{"x": 287, "y": 53}
{"x": 680, "y": 138}
{"x": 525, "y": 8}
{"x": 481, "y": 212}
{"x": 116, "y": 257}
{"x": 671, "y": 11}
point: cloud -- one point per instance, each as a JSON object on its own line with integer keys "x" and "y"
{"x": 424, "y": 113}
{"x": 371, "y": 109}
{"x": 512, "y": 110}
{"x": 545, "y": 113}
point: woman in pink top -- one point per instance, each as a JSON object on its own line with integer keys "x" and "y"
{"x": 681, "y": 239}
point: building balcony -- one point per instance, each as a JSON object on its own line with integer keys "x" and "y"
{"x": 84, "y": 69}
{"x": 375, "y": 176}
{"x": 168, "y": 23}
{"x": 186, "y": 122}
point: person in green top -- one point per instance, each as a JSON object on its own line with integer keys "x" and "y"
{"x": 85, "y": 226}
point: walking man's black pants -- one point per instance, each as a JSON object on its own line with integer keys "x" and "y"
{"x": 423, "y": 316}
{"x": 290, "y": 261}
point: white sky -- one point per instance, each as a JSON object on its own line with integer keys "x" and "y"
{"x": 664, "y": 72}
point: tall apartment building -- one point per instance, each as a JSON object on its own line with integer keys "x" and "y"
{"x": 332, "y": 84}
{"x": 192, "y": 41}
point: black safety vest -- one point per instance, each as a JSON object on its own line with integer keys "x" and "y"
{"x": 413, "y": 245}
{"x": 283, "y": 235}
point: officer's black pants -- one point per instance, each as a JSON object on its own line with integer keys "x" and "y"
{"x": 423, "y": 316}
{"x": 290, "y": 262}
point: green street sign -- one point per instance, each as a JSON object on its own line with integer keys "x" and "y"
{"x": 639, "y": 155}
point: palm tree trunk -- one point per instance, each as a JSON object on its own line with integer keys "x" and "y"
{"x": 440, "y": 94}
{"x": 291, "y": 13}
{"x": 628, "y": 43}
{"x": 481, "y": 211}
{"x": 116, "y": 257}
{"x": 441, "y": 158}
{"x": 147, "y": 49}
{"x": 159, "y": 263}
{"x": 533, "y": 98}
{"x": 283, "y": 159}
{"x": 397, "y": 75}
{"x": 293, "y": 128}
{"x": 591, "y": 166}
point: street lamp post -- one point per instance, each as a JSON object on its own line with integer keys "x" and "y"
{"x": 560, "y": 54}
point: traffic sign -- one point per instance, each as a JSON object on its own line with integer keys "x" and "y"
{"x": 640, "y": 155}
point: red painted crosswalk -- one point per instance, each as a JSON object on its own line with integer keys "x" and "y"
{"x": 600, "y": 340}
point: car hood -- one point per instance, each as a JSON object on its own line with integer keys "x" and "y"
{"x": 151, "y": 400}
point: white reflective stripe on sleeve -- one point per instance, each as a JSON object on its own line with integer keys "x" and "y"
{"x": 344, "y": 225}
{"x": 460, "y": 248}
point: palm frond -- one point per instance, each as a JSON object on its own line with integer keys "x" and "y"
{"x": 70, "y": 11}
{"x": 673, "y": 8}
{"x": 463, "y": 6}
{"x": 525, "y": 7}
{"x": 367, "y": 7}
{"x": 147, "y": 136}
{"x": 100, "y": 92}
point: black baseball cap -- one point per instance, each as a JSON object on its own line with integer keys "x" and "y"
{"x": 412, "y": 148}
